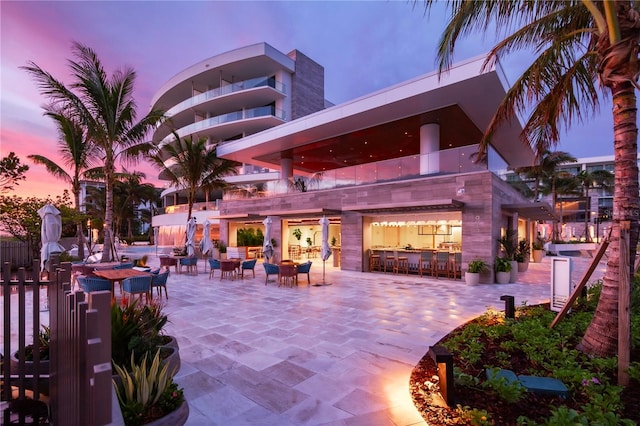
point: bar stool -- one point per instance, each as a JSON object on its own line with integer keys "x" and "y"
{"x": 374, "y": 261}
{"x": 425, "y": 264}
{"x": 389, "y": 262}
{"x": 401, "y": 264}
{"x": 455, "y": 266}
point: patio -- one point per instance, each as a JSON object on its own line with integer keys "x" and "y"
{"x": 332, "y": 355}
{"x": 335, "y": 355}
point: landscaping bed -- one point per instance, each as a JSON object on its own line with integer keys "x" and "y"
{"x": 527, "y": 346}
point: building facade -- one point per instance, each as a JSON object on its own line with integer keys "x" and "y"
{"x": 393, "y": 171}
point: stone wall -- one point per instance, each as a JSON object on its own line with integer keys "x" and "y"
{"x": 307, "y": 86}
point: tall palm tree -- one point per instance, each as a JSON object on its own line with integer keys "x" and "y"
{"x": 106, "y": 108}
{"x": 592, "y": 179}
{"x": 76, "y": 156}
{"x": 582, "y": 51}
{"x": 133, "y": 192}
{"x": 547, "y": 164}
{"x": 192, "y": 165}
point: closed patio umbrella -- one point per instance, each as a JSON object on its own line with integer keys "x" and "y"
{"x": 206, "y": 245}
{"x": 191, "y": 237}
{"x": 267, "y": 247}
{"x": 325, "y": 250}
{"x": 156, "y": 231}
{"x": 50, "y": 232}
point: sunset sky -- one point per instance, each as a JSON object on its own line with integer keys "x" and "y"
{"x": 363, "y": 46}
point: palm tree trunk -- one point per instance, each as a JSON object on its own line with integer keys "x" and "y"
{"x": 601, "y": 337}
{"x": 79, "y": 230}
{"x": 108, "y": 214}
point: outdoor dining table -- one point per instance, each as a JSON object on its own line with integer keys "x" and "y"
{"x": 117, "y": 275}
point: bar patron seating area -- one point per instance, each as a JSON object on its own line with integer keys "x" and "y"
{"x": 421, "y": 244}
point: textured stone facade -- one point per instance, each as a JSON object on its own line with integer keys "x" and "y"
{"x": 307, "y": 86}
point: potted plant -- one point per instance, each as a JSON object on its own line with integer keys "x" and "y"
{"x": 334, "y": 241}
{"x": 509, "y": 244}
{"x": 44, "y": 336}
{"x": 503, "y": 270}
{"x": 297, "y": 233}
{"x": 522, "y": 255}
{"x": 538, "y": 250}
{"x": 221, "y": 247}
{"x": 309, "y": 241}
{"x": 476, "y": 267}
{"x": 147, "y": 394}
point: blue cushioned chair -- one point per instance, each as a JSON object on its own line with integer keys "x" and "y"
{"x": 138, "y": 285}
{"x": 270, "y": 269}
{"x": 191, "y": 263}
{"x": 248, "y": 265}
{"x": 89, "y": 284}
{"x": 214, "y": 264}
{"x": 304, "y": 268}
{"x": 159, "y": 281}
{"x": 125, "y": 265}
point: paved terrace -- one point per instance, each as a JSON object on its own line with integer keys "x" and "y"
{"x": 332, "y": 355}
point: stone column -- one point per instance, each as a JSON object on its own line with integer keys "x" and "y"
{"x": 286, "y": 170}
{"x": 429, "y": 144}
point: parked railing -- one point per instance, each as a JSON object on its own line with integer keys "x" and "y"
{"x": 78, "y": 383}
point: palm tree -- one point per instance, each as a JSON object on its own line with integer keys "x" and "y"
{"x": 560, "y": 183}
{"x": 582, "y": 50}
{"x": 547, "y": 164}
{"x": 76, "y": 155}
{"x": 133, "y": 192}
{"x": 105, "y": 107}
{"x": 592, "y": 179}
{"x": 192, "y": 165}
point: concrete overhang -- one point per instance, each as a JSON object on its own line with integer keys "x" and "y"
{"x": 472, "y": 90}
{"x": 447, "y": 204}
{"x": 533, "y": 211}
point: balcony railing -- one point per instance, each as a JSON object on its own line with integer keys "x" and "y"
{"x": 264, "y": 111}
{"x": 225, "y": 90}
{"x": 451, "y": 161}
{"x": 184, "y": 208}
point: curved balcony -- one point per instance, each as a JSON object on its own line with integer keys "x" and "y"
{"x": 228, "y": 125}
{"x": 225, "y": 90}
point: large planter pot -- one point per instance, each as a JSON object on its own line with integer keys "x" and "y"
{"x": 513, "y": 274}
{"x": 537, "y": 256}
{"x": 503, "y": 277}
{"x": 173, "y": 358}
{"x": 177, "y": 417}
{"x": 171, "y": 342}
{"x": 472, "y": 278}
{"x": 523, "y": 266}
{"x": 29, "y": 366}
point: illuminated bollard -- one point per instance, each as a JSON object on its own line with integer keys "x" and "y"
{"x": 509, "y": 306}
{"x": 444, "y": 362}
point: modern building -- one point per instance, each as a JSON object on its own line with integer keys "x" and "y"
{"x": 228, "y": 97}
{"x": 393, "y": 170}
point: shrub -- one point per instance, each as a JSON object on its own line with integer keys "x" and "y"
{"x": 502, "y": 264}
{"x": 478, "y": 266}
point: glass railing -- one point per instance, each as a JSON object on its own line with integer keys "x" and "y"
{"x": 207, "y": 123}
{"x": 184, "y": 208}
{"x": 225, "y": 90}
{"x": 451, "y": 161}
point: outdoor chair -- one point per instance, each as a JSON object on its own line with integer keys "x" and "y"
{"x": 159, "y": 282}
{"x": 90, "y": 284}
{"x": 124, "y": 265}
{"x": 248, "y": 265}
{"x": 455, "y": 266}
{"x": 270, "y": 269}
{"x": 389, "y": 262}
{"x": 227, "y": 269}
{"x": 305, "y": 268}
{"x": 288, "y": 275}
{"x": 137, "y": 285}
{"x": 401, "y": 263}
{"x": 441, "y": 264}
{"x": 426, "y": 263}
{"x": 374, "y": 261}
{"x": 191, "y": 264}
{"x": 214, "y": 264}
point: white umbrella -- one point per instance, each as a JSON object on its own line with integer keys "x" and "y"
{"x": 50, "y": 231}
{"x": 156, "y": 232}
{"x": 206, "y": 245}
{"x": 267, "y": 247}
{"x": 191, "y": 237}
{"x": 325, "y": 250}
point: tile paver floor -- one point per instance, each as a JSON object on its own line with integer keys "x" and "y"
{"x": 333, "y": 355}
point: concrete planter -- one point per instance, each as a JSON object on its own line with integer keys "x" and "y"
{"x": 523, "y": 266}
{"x": 503, "y": 277}
{"x": 472, "y": 278}
{"x": 513, "y": 274}
{"x": 557, "y": 248}
{"x": 177, "y": 417}
{"x": 29, "y": 366}
{"x": 537, "y": 256}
